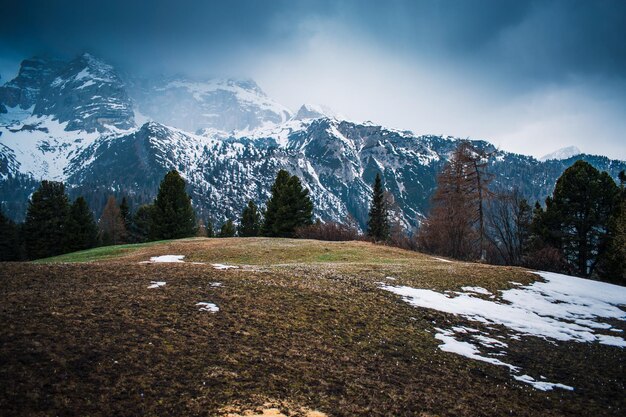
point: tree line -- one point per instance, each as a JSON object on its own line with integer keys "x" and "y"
{"x": 54, "y": 225}
{"x": 580, "y": 230}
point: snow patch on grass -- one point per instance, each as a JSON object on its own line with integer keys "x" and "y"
{"x": 210, "y": 307}
{"x": 165, "y": 259}
{"x": 478, "y": 290}
{"x": 224, "y": 266}
{"x": 156, "y": 284}
{"x": 561, "y": 308}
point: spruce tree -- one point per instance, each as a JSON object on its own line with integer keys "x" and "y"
{"x": 45, "y": 228}
{"x": 82, "y": 232}
{"x": 173, "y": 216}
{"x": 274, "y": 203}
{"x": 140, "y": 226}
{"x": 9, "y": 239}
{"x": 250, "y": 221}
{"x": 378, "y": 223}
{"x": 288, "y": 208}
{"x": 228, "y": 229}
{"x": 111, "y": 229}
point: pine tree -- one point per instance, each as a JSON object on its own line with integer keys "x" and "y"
{"x": 227, "y": 229}
{"x": 9, "y": 239}
{"x": 45, "y": 228}
{"x": 288, "y": 208}
{"x": 579, "y": 213}
{"x": 250, "y": 221}
{"x": 81, "y": 228}
{"x": 111, "y": 229}
{"x": 173, "y": 216}
{"x": 612, "y": 266}
{"x": 378, "y": 224}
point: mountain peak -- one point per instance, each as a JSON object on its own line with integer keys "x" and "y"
{"x": 562, "y": 153}
{"x": 314, "y": 111}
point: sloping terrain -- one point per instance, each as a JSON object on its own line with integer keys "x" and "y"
{"x": 295, "y": 327}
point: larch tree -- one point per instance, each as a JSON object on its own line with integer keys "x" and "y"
{"x": 111, "y": 229}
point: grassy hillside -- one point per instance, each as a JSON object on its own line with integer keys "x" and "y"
{"x": 303, "y": 328}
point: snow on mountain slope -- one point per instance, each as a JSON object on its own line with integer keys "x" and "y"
{"x": 89, "y": 95}
{"x": 80, "y": 128}
{"x": 43, "y": 147}
{"x": 562, "y": 153}
{"x": 221, "y": 104}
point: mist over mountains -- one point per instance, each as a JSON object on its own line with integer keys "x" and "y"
{"x": 103, "y": 133}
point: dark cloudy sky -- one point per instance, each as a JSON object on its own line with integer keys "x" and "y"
{"x": 530, "y": 76}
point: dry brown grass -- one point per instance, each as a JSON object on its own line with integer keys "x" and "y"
{"x": 302, "y": 327}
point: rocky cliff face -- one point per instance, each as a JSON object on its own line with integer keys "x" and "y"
{"x": 79, "y": 127}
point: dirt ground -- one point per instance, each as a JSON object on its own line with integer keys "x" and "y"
{"x": 301, "y": 331}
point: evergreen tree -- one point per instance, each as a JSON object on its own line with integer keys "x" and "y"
{"x": 9, "y": 239}
{"x": 140, "y": 226}
{"x": 210, "y": 232}
{"x": 125, "y": 213}
{"x": 111, "y": 227}
{"x": 228, "y": 229}
{"x": 45, "y": 228}
{"x": 612, "y": 266}
{"x": 288, "y": 208}
{"x": 577, "y": 217}
{"x": 274, "y": 203}
{"x": 173, "y": 216}
{"x": 82, "y": 232}
{"x": 378, "y": 223}
{"x": 250, "y": 221}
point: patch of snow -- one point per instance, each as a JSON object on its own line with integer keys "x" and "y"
{"x": 540, "y": 385}
{"x": 156, "y": 284}
{"x": 442, "y": 260}
{"x": 215, "y": 284}
{"x": 210, "y": 307}
{"x": 562, "y": 308}
{"x": 390, "y": 278}
{"x": 223, "y": 266}
{"x": 167, "y": 258}
{"x": 478, "y": 290}
{"x": 562, "y": 153}
{"x": 450, "y": 344}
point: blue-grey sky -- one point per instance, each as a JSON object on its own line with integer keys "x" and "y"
{"x": 529, "y": 76}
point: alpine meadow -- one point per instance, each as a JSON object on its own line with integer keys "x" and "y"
{"x": 444, "y": 236}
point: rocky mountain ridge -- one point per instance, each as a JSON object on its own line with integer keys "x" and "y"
{"x": 81, "y": 123}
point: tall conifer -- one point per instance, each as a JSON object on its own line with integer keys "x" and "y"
{"x": 378, "y": 223}
{"x": 173, "y": 217}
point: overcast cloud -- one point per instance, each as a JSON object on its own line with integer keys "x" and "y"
{"x": 529, "y": 76}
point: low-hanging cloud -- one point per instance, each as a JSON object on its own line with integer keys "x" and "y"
{"x": 530, "y": 76}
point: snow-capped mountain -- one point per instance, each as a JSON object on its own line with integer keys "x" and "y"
{"x": 77, "y": 122}
{"x": 562, "y": 153}
{"x": 219, "y": 104}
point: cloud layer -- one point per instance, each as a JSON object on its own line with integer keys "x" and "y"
{"x": 530, "y": 76}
